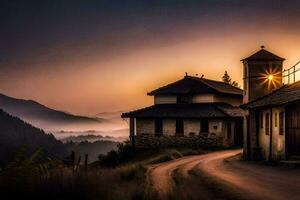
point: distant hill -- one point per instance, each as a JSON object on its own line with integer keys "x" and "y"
{"x": 110, "y": 115}
{"x": 44, "y": 117}
{"x": 92, "y": 138}
{"x": 16, "y": 134}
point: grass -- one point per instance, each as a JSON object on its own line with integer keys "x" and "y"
{"x": 55, "y": 180}
{"x": 126, "y": 180}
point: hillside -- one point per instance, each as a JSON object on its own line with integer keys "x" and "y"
{"x": 93, "y": 149}
{"x": 44, "y": 117}
{"x": 16, "y": 134}
{"x": 33, "y": 110}
{"x": 110, "y": 115}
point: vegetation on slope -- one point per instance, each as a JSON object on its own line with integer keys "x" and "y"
{"x": 32, "y": 166}
{"x": 121, "y": 174}
{"x": 16, "y": 134}
{"x": 92, "y": 149}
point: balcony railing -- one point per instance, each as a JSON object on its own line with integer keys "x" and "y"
{"x": 292, "y": 74}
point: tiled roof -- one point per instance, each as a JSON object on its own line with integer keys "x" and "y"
{"x": 196, "y": 85}
{"x": 201, "y": 110}
{"x": 231, "y": 110}
{"x": 284, "y": 95}
{"x": 263, "y": 55}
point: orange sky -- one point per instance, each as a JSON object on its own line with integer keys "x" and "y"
{"x": 92, "y": 76}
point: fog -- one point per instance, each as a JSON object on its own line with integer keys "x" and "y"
{"x": 113, "y": 127}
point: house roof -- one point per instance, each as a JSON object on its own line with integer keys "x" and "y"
{"x": 284, "y": 95}
{"x": 201, "y": 110}
{"x": 263, "y": 55}
{"x": 192, "y": 85}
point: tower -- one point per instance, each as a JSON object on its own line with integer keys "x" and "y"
{"x": 262, "y": 74}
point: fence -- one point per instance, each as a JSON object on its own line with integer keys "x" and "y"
{"x": 292, "y": 74}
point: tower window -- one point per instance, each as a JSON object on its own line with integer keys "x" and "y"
{"x": 267, "y": 122}
{"x": 276, "y": 119}
{"x": 261, "y": 120}
{"x": 281, "y": 118}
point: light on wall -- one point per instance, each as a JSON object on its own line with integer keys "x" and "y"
{"x": 270, "y": 77}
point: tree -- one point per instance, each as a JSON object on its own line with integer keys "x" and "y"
{"x": 235, "y": 84}
{"x": 226, "y": 79}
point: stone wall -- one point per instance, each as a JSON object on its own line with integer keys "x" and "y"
{"x": 149, "y": 141}
{"x": 169, "y": 127}
{"x": 146, "y": 126}
{"x": 191, "y": 127}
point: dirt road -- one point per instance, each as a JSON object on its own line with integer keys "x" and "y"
{"x": 251, "y": 180}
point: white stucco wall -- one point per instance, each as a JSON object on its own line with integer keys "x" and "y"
{"x": 145, "y": 126}
{"x": 217, "y": 127}
{"x": 203, "y": 98}
{"x": 229, "y": 99}
{"x": 264, "y": 140}
{"x": 191, "y": 126}
{"x": 228, "y": 137}
{"x": 169, "y": 127}
{"x": 210, "y": 98}
{"x": 165, "y": 99}
{"x": 199, "y": 98}
{"x": 278, "y": 141}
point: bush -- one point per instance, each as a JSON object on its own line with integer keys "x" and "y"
{"x": 116, "y": 157}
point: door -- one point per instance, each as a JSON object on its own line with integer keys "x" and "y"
{"x": 204, "y": 126}
{"x": 158, "y": 127}
{"x": 238, "y": 132}
{"x": 292, "y": 130}
{"x": 179, "y": 127}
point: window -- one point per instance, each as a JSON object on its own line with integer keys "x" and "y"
{"x": 182, "y": 99}
{"x": 245, "y": 79}
{"x": 179, "y": 127}
{"x": 276, "y": 119}
{"x": 158, "y": 127}
{"x": 204, "y": 126}
{"x": 281, "y": 118}
{"x": 261, "y": 120}
{"x": 229, "y": 130}
{"x": 267, "y": 124}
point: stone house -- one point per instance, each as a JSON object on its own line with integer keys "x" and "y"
{"x": 191, "y": 112}
{"x": 272, "y": 109}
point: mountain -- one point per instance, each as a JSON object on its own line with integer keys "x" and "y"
{"x": 44, "y": 117}
{"x": 16, "y": 134}
{"x": 110, "y": 115}
{"x": 92, "y": 138}
{"x": 30, "y": 109}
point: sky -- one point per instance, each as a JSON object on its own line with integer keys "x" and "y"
{"x": 90, "y": 56}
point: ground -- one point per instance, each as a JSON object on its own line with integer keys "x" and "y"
{"x": 236, "y": 179}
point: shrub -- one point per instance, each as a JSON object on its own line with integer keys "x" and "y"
{"x": 116, "y": 157}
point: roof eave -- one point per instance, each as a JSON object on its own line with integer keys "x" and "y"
{"x": 246, "y": 59}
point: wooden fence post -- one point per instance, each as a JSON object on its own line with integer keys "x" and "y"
{"x": 86, "y": 162}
